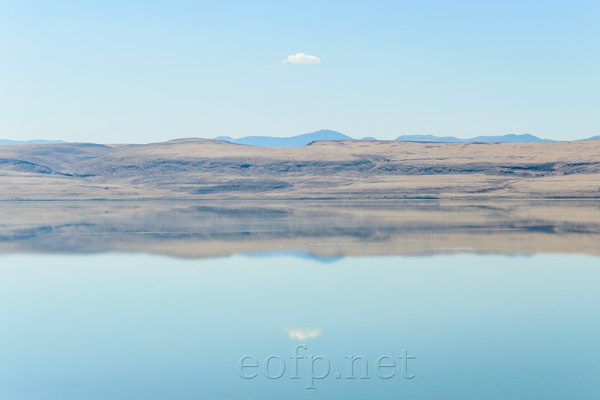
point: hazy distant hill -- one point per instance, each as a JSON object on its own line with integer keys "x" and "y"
{"x": 592, "y": 138}
{"x": 303, "y": 140}
{"x": 5, "y": 142}
{"x": 526, "y": 138}
{"x": 429, "y": 138}
{"x": 294, "y": 141}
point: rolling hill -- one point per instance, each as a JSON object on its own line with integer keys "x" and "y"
{"x": 212, "y": 169}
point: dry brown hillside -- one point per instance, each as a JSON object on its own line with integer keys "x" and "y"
{"x": 211, "y": 169}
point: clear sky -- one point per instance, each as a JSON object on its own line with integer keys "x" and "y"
{"x": 143, "y": 71}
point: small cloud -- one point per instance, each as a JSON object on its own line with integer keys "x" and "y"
{"x": 302, "y": 58}
{"x": 302, "y": 334}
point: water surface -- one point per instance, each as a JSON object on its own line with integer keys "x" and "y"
{"x": 161, "y": 301}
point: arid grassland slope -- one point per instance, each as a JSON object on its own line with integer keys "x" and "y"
{"x": 213, "y": 169}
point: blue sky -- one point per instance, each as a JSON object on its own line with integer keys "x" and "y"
{"x": 144, "y": 71}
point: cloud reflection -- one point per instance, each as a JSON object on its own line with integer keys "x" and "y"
{"x": 302, "y": 334}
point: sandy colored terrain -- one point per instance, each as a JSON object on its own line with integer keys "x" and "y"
{"x": 210, "y": 169}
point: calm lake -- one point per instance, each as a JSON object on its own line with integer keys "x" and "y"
{"x": 300, "y": 300}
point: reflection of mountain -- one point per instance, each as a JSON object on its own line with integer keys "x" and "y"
{"x": 303, "y": 254}
{"x": 323, "y": 231}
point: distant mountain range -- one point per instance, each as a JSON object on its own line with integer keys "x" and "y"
{"x": 4, "y": 142}
{"x": 294, "y": 141}
{"x": 303, "y": 140}
{"x": 307, "y": 138}
{"x": 592, "y": 138}
{"x": 526, "y": 138}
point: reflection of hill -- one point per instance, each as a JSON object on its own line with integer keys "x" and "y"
{"x": 319, "y": 229}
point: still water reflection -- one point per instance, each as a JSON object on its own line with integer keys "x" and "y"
{"x": 163, "y": 301}
{"x": 311, "y": 229}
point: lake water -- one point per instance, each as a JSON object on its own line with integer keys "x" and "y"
{"x": 354, "y": 300}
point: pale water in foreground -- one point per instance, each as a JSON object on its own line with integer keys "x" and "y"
{"x": 354, "y": 323}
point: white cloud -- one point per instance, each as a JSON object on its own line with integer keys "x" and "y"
{"x": 302, "y": 58}
{"x": 303, "y": 334}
